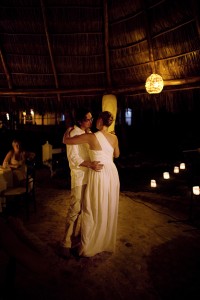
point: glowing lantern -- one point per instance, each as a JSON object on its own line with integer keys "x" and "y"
{"x": 176, "y": 169}
{"x": 153, "y": 183}
{"x": 109, "y": 103}
{"x": 182, "y": 166}
{"x": 196, "y": 190}
{"x": 166, "y": 175}
{"x": 154, "y": 84}
{"x": 46, "y": 151}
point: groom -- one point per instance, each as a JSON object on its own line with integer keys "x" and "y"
{"x": 79, "y": 164}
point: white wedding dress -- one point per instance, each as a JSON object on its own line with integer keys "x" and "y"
{"x": 100, "y": 207}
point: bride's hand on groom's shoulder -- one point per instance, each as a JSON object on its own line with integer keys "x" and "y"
{"x": 67, "y": 134}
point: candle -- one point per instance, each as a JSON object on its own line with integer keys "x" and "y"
{"x": 182, "y": 166}
{"x": 166, "y": 175}
{"x": 46, "y": 151}
{"x": 153, "y": 183}
{"x": 176, "y": 169}
{"x": 196, "y": 190}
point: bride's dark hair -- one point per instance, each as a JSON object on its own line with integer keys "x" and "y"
{"x": 106, "y": 117}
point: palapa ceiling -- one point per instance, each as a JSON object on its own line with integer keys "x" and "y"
{"x": 58, "y": 53}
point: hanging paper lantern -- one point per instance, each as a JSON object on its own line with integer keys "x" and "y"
{"x": 154, "y": 84}
{"x": 109, "y": 103}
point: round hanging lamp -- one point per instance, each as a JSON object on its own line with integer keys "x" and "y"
{"x": 154, "y": 84}
{"x": 109, "y": 102}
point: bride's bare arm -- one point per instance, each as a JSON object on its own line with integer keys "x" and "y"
{"x": 85, "y": 138}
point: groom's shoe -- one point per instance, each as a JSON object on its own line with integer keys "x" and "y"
{"x": 63, "y": 252}
{"x": 75, "y": 251}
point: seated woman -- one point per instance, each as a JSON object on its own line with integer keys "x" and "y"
{"x": 16, "y": 160}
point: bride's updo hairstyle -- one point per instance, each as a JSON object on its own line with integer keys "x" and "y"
{"x": 106, "y": 117}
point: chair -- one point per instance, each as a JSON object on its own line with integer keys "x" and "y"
{"x": 22, "y": 195}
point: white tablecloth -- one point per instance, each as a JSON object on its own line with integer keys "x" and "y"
{"x": 6, "y": 180}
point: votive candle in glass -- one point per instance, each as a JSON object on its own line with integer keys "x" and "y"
{"x": 153, "y": 183}
{"x": 182, "y": 166}
{"x": 176, "y": 169}
{"x": 196, "y": 190}
{"x": 166, "y": 175}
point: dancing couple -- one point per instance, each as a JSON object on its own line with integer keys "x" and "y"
{"x": 94, "y": 185}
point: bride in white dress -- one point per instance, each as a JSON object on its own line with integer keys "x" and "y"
{"x": 100, "y": 206}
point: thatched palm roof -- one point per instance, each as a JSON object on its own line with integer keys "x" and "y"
{"x": 58, "y": 53}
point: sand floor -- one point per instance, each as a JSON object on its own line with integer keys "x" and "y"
{"x": 156, "y": 257}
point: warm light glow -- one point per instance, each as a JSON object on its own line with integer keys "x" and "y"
{"x": 176, "y": 169}
{"x": 153, "y": 183}
{"x": 182, "y": 166}
{"x": 32, "y": 112}
{"x": 109, "y": 102}
{"x": 196, "y": 190}
{"x": 46, "y": 151}
{"x": 166, "y": 175}
{"x": 154, "y": 84}
{"x": 7, "y": 116}
{"x": 24, "y": 117}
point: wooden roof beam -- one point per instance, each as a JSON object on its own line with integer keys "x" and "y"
{"x": 8, "y": 77}
{"x": 176, "y": 82}
{"x": 5, "y": 69}
{"x": 49, "y": 46}
{"x": 106, "y": 45}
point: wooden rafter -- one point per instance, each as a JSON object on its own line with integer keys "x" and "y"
{"x": 106, "y": 45}
{"x": 8, "y": 77}
{"x": 5, "y": 70}
{"x": 49, "y": 46}
{"x": 176, "y": 82}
